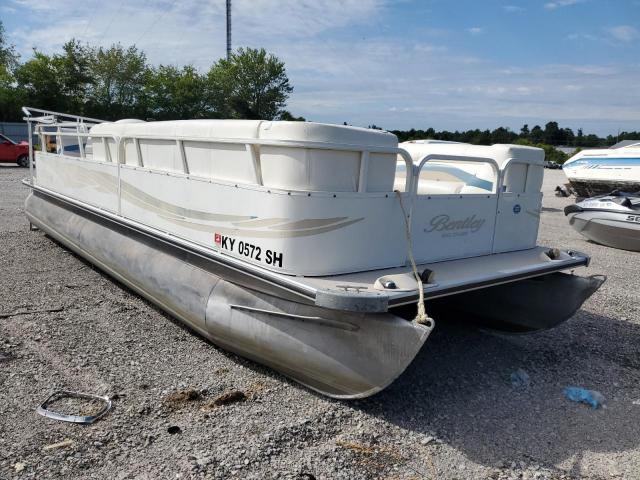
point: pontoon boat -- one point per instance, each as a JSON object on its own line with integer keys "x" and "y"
{"x": 310, "y": 248}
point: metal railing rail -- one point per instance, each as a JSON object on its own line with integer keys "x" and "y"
{"x": 29, "y": 111}
{"x": 460, "y": 158}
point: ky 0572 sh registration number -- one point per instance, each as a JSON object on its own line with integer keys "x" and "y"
{"x": 248, "y": 250}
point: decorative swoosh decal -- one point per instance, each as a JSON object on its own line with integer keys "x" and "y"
{"x": 242, "y": 225}
{"x": 137, "y": 196}
{"x": 262, "y": 233}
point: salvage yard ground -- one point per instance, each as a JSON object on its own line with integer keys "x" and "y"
{"x": 184, "y": 408}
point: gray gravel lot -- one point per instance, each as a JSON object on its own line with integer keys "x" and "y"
{"x": 453, "y": 414}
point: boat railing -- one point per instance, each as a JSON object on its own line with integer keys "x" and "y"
{"x": 410, "y": 185}
{"x": 438, "y": 157}
{"x": 64, "y": 126}
{"x": 250, "y": 143}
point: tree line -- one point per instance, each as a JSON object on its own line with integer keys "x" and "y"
{"x": 118, "y": 82}
{"x": 551, "y": 134}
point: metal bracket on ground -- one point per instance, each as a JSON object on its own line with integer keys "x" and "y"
{"x": 63, "y": 417}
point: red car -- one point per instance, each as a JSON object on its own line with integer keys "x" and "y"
{"x": 12, "y": 152}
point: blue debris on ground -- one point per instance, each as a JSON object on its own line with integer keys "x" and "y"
{"x": 582, "y": 395}
{"x": 520, "y": 380}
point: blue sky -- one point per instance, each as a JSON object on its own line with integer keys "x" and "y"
{"x": 394, "y": 63}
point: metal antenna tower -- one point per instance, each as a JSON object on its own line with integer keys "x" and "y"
{"x": 228, "y": 29}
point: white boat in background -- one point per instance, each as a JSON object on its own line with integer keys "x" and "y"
{"x": 601, "y": 171}
{"x": 612, "y": 220}
{"x": 307, "y": 247}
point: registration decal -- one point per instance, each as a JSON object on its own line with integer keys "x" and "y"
{"x": 249, "y": 250}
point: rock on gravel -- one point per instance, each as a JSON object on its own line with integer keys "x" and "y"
{"x": 453, "y": 415}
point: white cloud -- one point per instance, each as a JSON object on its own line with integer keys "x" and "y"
{"x": 582, "y": 36}
{"x": 475, "y": 30}
{"x": 561, "y": 3}
{"x": 513, "y": 8}
{"x": 428, "y": 48}
{"x": 624, "y": 33}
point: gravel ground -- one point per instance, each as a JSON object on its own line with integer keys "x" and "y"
{"x": 453, "y": 415}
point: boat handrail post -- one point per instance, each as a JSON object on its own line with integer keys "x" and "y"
{"x": 107, "y": 152}
{"x": 183, "y": 157}
{"x": 255, "y": 160}
{"x": 410, "y": 170}
{"x": 59, "y": 143}
{"x": 119, "y": 147}
{"x": 364, "y": 171}
{"x": 80, "y": 145}
{"x": 136, "y": 142}
{"x": 28, "y": 119}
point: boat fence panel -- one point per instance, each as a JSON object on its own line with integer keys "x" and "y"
{"x": 453, "y": 226}
{"x": 519, "y": 206}
{"x": 288, "y": 232}
{"x": 222, "y": 161}
{"x": 95, "y": 183}
{"x": 161, "y": 155}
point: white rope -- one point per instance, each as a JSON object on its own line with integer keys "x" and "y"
{"x": 421, "y": 317}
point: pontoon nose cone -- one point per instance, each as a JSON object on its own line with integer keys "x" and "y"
{"x": 339, "y": 354}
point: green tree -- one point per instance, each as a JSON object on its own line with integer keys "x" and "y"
{"x": 40, "y": 83}
{"x": 537, "y": 134}
{"x": 251, "y": 84}
{"x": 289, "y": 117}
{"x": 10, "y": 96}
{"x": 119, "y": 78}
{"x": 56, "y": 82}
{"x": 174, "y": 93}
{"x": 73, "y": 69}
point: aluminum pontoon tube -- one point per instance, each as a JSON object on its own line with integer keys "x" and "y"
{"x": 526, "y": 306}
{"x": 339, "y": 354}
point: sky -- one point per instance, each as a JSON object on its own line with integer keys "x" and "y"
{"x": 398, "y": 64}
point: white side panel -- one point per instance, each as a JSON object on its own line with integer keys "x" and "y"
{"x": 535, "y": 176}
{"x": 130, "y": 152}
{"x": 295, "y": 234}
{"x": 98, "y": 149}
{"x": 113, "y": 150}
{"x": 161, "y": 155}
{"x": 518, "y": 220}
{"x": 220, "y": 161}
{"x": 515, "y": 178}
{"x": 83, "y": 180}
{"x": 310, "y": 169}
{"x": 382, "y": 171}
{"x": 453, "y": 226}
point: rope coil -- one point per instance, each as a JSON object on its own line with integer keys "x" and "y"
{"x": 421, "y": 317}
